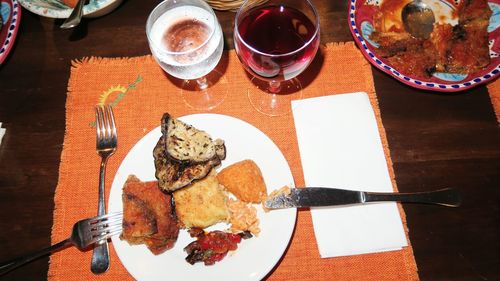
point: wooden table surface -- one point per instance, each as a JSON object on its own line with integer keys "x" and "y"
{"x": 436, "y": 140}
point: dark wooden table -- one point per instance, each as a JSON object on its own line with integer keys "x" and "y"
{"x": 436, "y": 140}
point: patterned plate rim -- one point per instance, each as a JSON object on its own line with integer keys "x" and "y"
{"x": 12, "y": 26}
{"x": 89, "y": 8}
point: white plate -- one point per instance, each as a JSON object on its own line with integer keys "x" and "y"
{"x": 254, "y": 257}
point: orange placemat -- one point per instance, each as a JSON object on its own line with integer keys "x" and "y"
{"x": 140, "y": 93}
{"x": 494, "y": 91}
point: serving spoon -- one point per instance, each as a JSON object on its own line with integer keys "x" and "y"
{"x": 418, "y": 19}
{"x": 75, "y": 17}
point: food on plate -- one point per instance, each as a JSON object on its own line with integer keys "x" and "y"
{"x": 186, "y": 143}
{"x": 148, "y": 216}
{"x": 184, "y": 154}
{"x": 191, "y": 194}
{"x": 283, "y": 192}
{"x": 244, "y": 180}
{"x": 139, "y": 221}
{"x": 461, "y": 48}
{"x": 202, "y": 203}
{"x": 243, "y": 217}
{"x": 213, "y": 246}
{"x": 70, "y": 3}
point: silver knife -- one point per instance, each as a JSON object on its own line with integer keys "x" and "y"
{"x": 322, "y": 196}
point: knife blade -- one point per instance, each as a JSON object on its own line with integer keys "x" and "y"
{"x": 322, "y": 197}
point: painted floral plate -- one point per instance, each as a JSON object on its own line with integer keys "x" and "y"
{"x": 57, "y": 8}
{"x": 10, "y": 11}
{"x": 361, "y": 25}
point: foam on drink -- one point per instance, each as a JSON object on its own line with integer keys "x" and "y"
{"x": 178, "y": 41}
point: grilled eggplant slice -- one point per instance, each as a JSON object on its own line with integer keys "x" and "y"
{"x": 184, "y": 154}
{"x": 186, "y": 143}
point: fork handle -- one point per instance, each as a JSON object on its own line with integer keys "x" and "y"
{"x": 7, "y": 266}
{"x": 100, "y": 255}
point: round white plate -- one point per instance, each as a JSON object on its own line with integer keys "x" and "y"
{"x": 254, "y": 257}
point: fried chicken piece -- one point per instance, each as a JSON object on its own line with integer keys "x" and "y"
{"x": 138, "y": 219}
{"x": 146, "y": 206}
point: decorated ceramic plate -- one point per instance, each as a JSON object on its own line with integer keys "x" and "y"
{"x": 57, "y": 8}
{"x": 255, "y": 257}
{"x": 361, "y": 14}
{"x": 10, "y": 11}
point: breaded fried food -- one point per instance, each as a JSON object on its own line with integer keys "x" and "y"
{"x": 201, "y": 204}
{"x": 244, "y": 180}
{"x": 148, "y": 216}
{"x": 139, "y": 220}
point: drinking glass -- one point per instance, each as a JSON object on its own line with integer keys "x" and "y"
{"x": 186, "y": 40}
{"x": 275, "y": 41}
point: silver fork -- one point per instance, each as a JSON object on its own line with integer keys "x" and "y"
{"x": 106, "y": 143}
{"x": 85, "y": 233}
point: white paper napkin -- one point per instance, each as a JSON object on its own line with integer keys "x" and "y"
{"x": 2, "y": 132}
{"x": 340, "y": 147}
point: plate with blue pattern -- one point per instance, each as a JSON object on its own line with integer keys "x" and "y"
{"x": 361, "y": 14}
{"x": 58, "y": 9}
{"x": 10, "y": 13}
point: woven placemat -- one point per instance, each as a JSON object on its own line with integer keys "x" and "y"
{"x": 494, "y": 92}
{"x": 140, "y": 93}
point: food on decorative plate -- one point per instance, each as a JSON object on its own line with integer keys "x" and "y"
{"x": 460, "y": 48}
{"x": 184, "y": 154}
{"x": 244, "y": 180}
{"x": 148, "y": 216}
{"x": 202, "y": 203}
{"x": 213, "y": 246}
{"x": 70, "y": 3}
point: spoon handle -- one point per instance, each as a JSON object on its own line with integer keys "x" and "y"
{"x": 447, "y": 197}
{"x": 75, "y": 17}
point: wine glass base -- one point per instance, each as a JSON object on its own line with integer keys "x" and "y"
{"x": 207, "y": 96}
{"x": 274, "y": 104}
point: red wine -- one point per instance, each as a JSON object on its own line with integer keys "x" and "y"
{"x": 271, "y": 36}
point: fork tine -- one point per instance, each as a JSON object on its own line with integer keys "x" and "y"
{"x": 102, "y": 221}
{"x": 111, "y": 123}
{"x": 108, "y": 216}
{"x": 107, "y": 125}
{"x": 99, "y": 122}
{"x": 105, "y": 225}
{"x": 98, "y": 236}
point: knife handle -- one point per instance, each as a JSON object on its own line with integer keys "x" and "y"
{"x": 446, "y": 197}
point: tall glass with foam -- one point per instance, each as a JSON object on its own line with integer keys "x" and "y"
{"x": 186, "y": 40}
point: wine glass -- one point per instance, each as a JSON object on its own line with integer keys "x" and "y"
{"x": 186, "y": 40}
{"x": 275, "y": 41}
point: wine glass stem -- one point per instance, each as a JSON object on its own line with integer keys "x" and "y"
{"x": 274, "y": 87}
{"x": 202, "y": 82}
